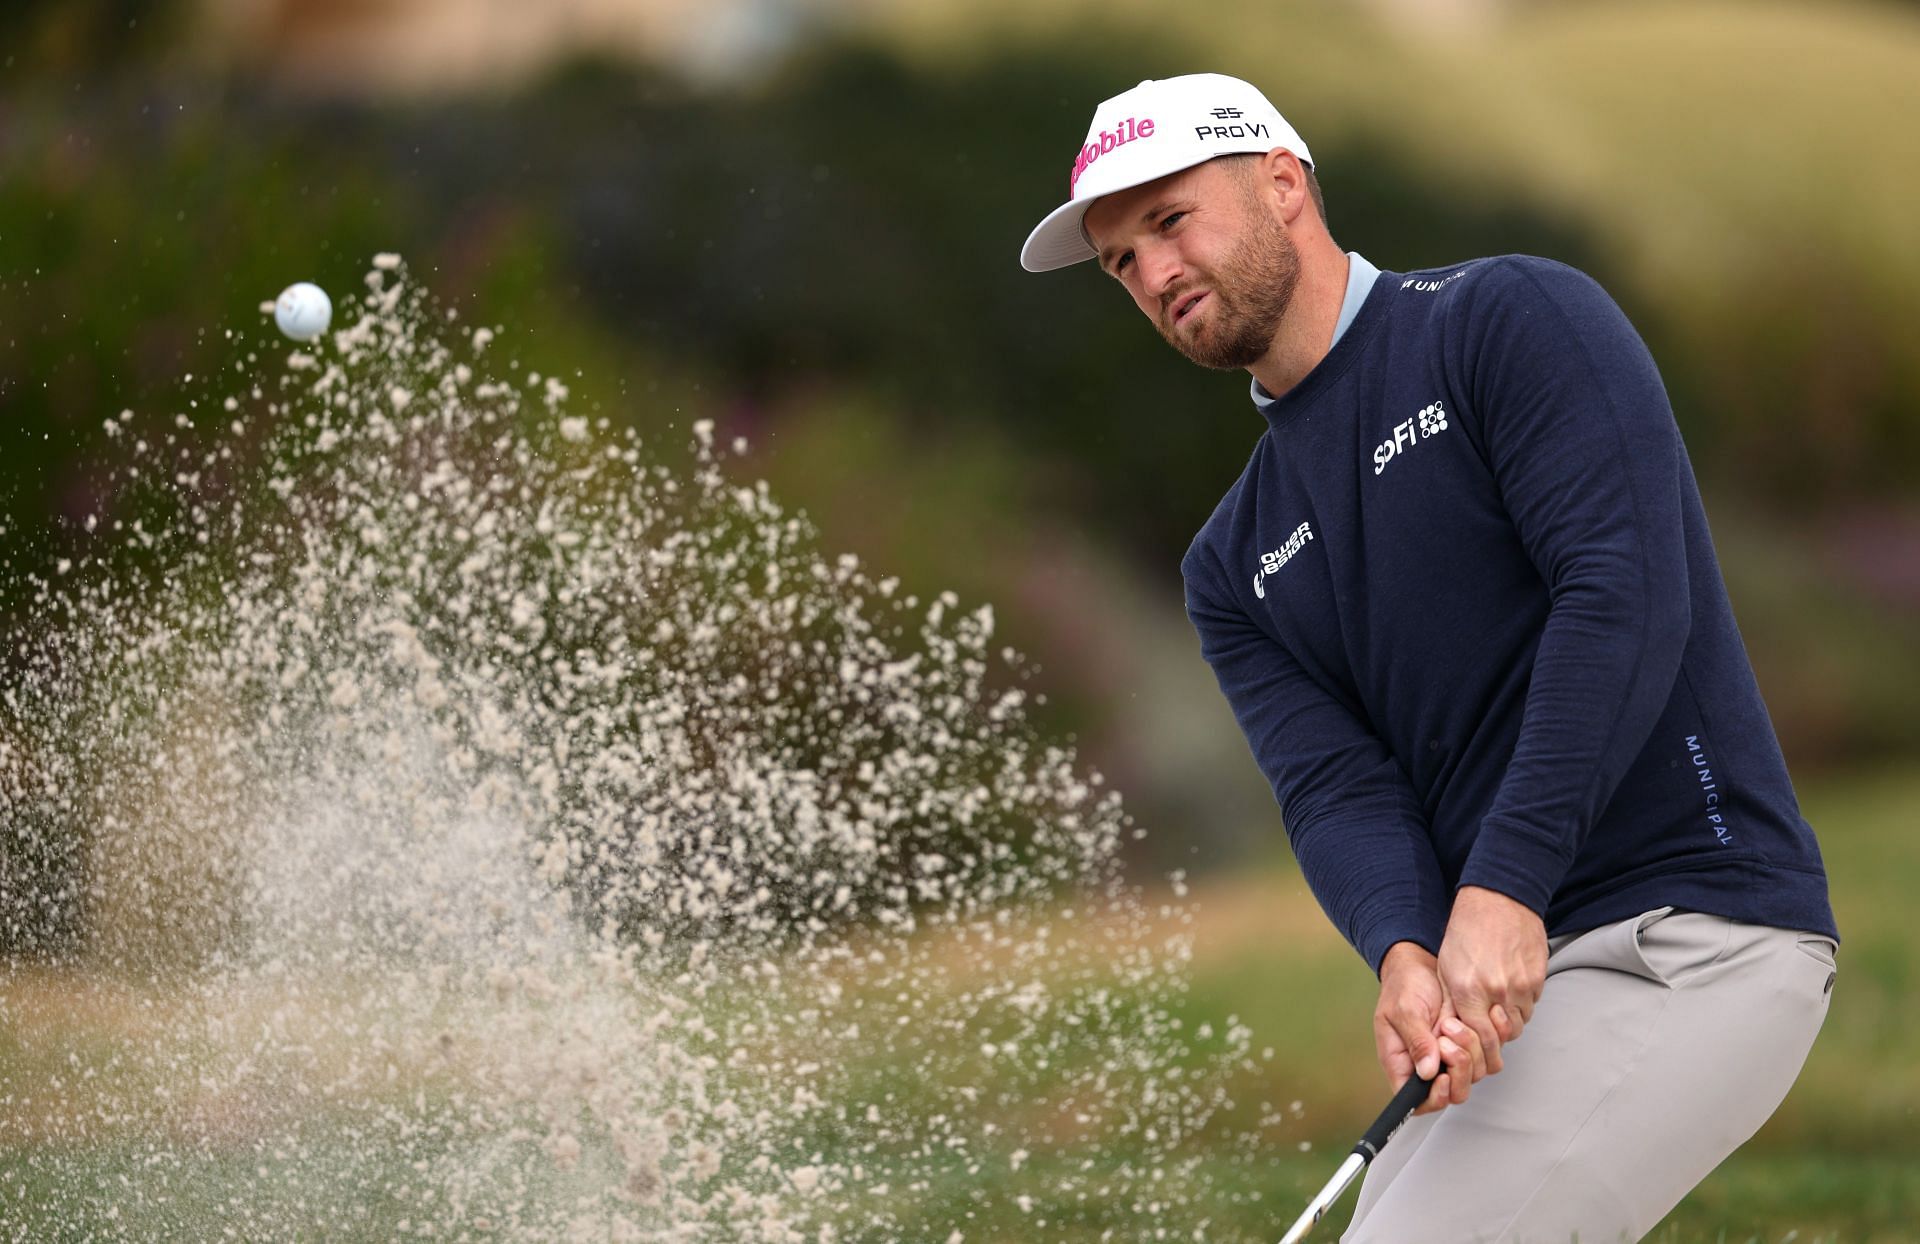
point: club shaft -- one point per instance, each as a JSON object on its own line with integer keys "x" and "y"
{"x": 1317, "y": 1208}
{"x": 1411, "y": 1094}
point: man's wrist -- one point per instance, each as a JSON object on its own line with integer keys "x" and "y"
{"x": 1403, "y": 955}
{"x": 1480, "y": 900}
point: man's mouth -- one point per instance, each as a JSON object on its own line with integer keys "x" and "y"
{"x": 1185, "y": 307}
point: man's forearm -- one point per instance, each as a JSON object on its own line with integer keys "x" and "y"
{"x": 1582, "y": 442}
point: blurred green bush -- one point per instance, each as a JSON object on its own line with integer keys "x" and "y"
{"x": 824, "y": 260}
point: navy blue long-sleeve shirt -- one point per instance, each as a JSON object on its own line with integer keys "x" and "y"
{"x": 1465, "y": 607}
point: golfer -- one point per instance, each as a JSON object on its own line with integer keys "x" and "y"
{"x": 1465, "y": 607}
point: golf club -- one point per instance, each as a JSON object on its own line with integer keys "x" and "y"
{"x": 1411, "y": 1094}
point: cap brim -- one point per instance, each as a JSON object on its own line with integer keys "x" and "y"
{"x": 1059, "y": 241}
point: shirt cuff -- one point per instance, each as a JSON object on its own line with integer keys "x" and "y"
{"x": 1517, "y": 864}
{"x": 1401, "y": 927}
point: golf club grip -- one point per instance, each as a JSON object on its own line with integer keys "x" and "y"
{"x": 1411, "y": 1094}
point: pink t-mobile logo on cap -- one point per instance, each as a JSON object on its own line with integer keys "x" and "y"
{"x": 1120, "y": 135}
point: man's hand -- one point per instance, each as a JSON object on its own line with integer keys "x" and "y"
{"x": 1407, "y": 1029}
{"x": 1493, "y": 965}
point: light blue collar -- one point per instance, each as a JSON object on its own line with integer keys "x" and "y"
{"x": 1360, "y": 276}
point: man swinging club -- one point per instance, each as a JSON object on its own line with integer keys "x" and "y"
{"x": 1464, "y": 605}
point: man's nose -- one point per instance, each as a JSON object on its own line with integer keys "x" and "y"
{"x": 1159, "y": 268}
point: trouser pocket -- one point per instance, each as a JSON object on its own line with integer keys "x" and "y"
{"x": 1616, "y": 947}
{"x": 1824, "y": 954}
{"x": 1677, "y": 944}
{"x": 1663, "y": 946}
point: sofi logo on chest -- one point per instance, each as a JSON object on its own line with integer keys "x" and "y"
{"x": 1431, "y": 421}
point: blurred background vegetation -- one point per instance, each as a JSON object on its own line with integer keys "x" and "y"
{"x": 800, "y": 218}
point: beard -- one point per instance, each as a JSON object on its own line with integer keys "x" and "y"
{"x": 1251, "y": 291}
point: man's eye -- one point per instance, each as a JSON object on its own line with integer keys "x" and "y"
{"x": 1120, "y": 264}
{"x": 1166, "y": 222}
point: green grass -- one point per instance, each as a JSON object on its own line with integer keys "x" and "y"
{"x": 1839, "y": 1163}
{"x": 1773, "y": 1196}
{"x": 339, "y": 1192}
{"x": 118, "y": 1192}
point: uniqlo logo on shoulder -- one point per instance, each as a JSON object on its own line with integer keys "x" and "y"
{"x": 1429, "y": 422}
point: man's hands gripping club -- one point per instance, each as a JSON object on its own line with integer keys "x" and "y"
{"x": 1461, "y": 1008}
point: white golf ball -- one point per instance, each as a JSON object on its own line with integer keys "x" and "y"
{"x": 303, "y": 310}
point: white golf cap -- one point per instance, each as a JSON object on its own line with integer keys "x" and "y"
{"x": 1159, "y": 127}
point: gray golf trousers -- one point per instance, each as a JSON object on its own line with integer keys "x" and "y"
{"x": 1660, "y": 1044}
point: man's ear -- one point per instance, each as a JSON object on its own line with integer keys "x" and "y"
{"x": 1279, "y": 171}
